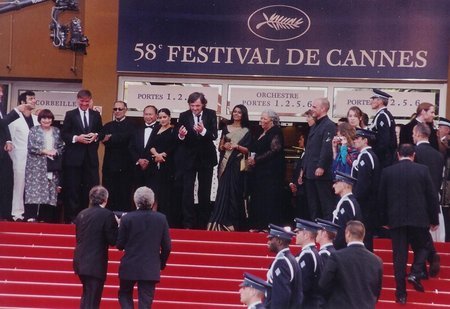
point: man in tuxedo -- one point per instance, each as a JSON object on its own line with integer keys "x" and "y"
{"x": 19, "y": 130}
{"x": 196, "y": 157}
{"x": 317, "y": 161}
{"x": 117, "y": 162}
{"x": 433, "y": 159}
{"x": 352, "y": 276}
{"x": 409, "y": 210}
{"x": 145, "y": 168}
{"x": 6, "y": 170}
{"x": 425, "y": 113}
{"x": 81, "y": 133}
{"x": 252, "y": 291}
{"x": 383, "y": 126}
{"x": 96, "y": 230}
{"x": 144, "y": 235}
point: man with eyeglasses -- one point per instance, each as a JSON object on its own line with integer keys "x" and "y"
{"x": 117, "y": 161}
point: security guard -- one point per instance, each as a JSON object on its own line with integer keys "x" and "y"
{"x": 325, "y": 238}
{"x": 252, "y": 291}
{"x": 347, "y": 208}
{"x": 383, "y": 126}
{"x": 284, "y": 274}
{"x": 310, "y": 262}
{"x": 366, "y": 170}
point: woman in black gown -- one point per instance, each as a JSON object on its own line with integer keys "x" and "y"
{"x": 162, "y": 147}
{"x": 267, "y": 174}
{"x": 228, "y": 213}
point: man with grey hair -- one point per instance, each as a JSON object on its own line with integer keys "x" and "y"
{"x": 96, "y": 229}
{"x": 316, "y": 167}
{"x": 144, "y": 235}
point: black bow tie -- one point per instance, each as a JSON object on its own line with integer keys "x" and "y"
{"x": 150, "y": 127}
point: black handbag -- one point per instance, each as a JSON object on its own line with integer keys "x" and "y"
{"x": 54, "y": 164}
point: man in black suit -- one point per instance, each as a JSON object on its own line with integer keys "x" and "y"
{"x": 352, "y": 276}
{"x": 409, "y": 210}
{"x": 284, "y": 273}
{"x": 144, "y": 235}
{"x": 117, "y": 162}
{"x": 425, "y": 113}
{"x": 252, "y": 291}
{"x": 145, "y": 168}
{"x": 433, "y": 159}
{"x": 96, "y": 229}
{"x": 366, "y": 169}
{"x": 196, "y": 157}
{"x": 81, "y": 133}
{"x": 384, "y": 127}
{"x": 317, "y": 161}
{"x": 6, "y": 170}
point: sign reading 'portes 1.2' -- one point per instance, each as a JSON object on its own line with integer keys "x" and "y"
{"x": 338, "y": 38}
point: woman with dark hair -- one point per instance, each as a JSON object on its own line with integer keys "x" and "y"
{"x": 42, "y": 170}
{"x": 228, "y": 213}
{"x": 354, "y": 117}
{"x": 267, "y": 174}
{"x": 162, "y": 147}
{"x": 344, "y": 153}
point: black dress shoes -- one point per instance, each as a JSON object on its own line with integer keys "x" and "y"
{"x": 400, "y": 300}
{"x": 415, "y": 281}
{"x": 435, "y": 265}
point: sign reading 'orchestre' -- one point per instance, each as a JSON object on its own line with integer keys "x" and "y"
{"x": 297, "y": 38}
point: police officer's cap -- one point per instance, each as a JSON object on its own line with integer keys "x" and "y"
{"x": 377, "y": 93}
{"x": 339, "y": 176}
{"x": 301, "y": 224}
{"x": 328, "y": 225}
{"x": 255, "y": 282}
{"x": 280, "y": 232}
{"x": 366, "y": 134}
{"x": 444, "y": 122}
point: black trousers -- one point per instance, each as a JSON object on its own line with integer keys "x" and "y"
{"x": 321, "y": 199}
{"x": 92, "y": 292}
{"x": 6, "y": 187}
{"x": 190, "y": 217}
{"x": 118, "y": 184}
{"x": 401, "y": 238}
{"x": 78, "y": 181}
{"x": 146, "y": 292}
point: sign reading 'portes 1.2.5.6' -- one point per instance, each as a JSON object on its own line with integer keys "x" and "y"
{"x": 333, "y": 38}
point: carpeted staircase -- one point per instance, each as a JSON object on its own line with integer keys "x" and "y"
{"x": 203, "y": 271}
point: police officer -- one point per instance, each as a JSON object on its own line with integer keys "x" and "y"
{"x": 347, "y": 208}
{"x": 284, "y": 274}
{"x": 366, "y": 170}
{"x": 309, "y": 260}
{"x": 325, "y": 238}
{"x": 252, "y": 291}
{"x": 383, "y": 126}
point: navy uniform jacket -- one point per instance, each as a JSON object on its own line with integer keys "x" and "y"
{"x": 407, "y": 196}
{"x": 325, "y": 252}
{"x": 352, "y": 278}
{"x": 318, "y": 152}
{"x": 96, "y": 229}
{"x": 347, "y": 209}
{"x": 427, "y": 155}
{"x": 311, "y": 266}
{"x": 366, "y": 170}
{"x": 286, "y": 279}
{"x": 386, "y": 140}
{"x": 144, "y": 235}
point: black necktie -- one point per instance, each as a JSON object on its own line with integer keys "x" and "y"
{"x": 86, "y": 127}
{"x": 150, "y": 126}
{"x": 198, "y": 118}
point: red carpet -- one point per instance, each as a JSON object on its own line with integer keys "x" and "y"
{"x": 204, "y": 270}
